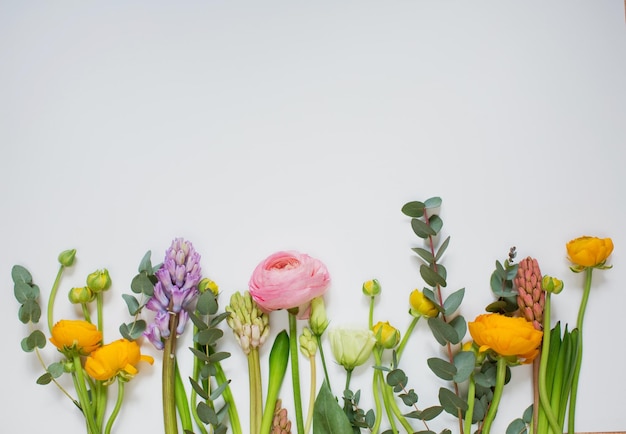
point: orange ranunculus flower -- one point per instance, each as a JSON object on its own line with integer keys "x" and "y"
{"x": 421, "y": 305}
{"x": 75, "y": 335}
{"x": 119, "y": 357}
{"x": 506, "y": 336}
{"x": 589, "y": 251}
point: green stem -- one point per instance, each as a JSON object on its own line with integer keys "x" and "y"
{"x": 85, "y": 312}
{"x": 101, "y": 401}
{"x": 256, "y": 390}
{"x": 204, "y": 383}
{"x": 377, "y": 379}
{"x": 180, "y": 395}
{"x": 227, "y": 394}
{"x": 471, "y": 401}
{"x": 295, "y": 373}
{"x": 544, "y": 397}
{"x": 571, "y": 418}
{"x": 99, "y": 309}
{"x": 371, "y": 313}
{"x": 321, "y": 351}
{"x": 53, "y": 294}
{"x": 405, "y": 338}
{"x": 497, "y": 394}
{"x": 118, "y": 406}
{"x": 83, "y": 396}
{"x": 168, "y": 380}
{"x": 309, "y": 417}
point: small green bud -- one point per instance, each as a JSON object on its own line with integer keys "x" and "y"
{"x": 386, "y": 335}
{"x": 318, "y": 320}
{"x": 81, "y": 295}
{"x": 99, "y": 280}
{"x": 551, "y": 284}
{"x": 308, "y": 344}
{"x": 208, "y": 284}
{"x": 371, "y": 288}
{"x": 67, "y": 257}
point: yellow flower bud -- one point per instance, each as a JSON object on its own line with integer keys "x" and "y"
{"x": 318, "y": 320}
{"x": 422, "y": 306}
{"x": 387, "y": 336}
{"x": 589, "y": 251}
{"x": 99, "y": 280}
{"x": 81, "y": 295}
{"x": 551, "y": 284}
{"x": 66, "y": 257}
{"x": 371, "y": 288}
{"x": 208, "y": 284}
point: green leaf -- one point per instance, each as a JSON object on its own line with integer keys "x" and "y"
{"x": 397, "y": 379}
{"x": 133, "y": 330}
{"x": 145, "y": 266}
{"x": 443, "y": 331}
{"x": 328, "y": 417}
{"x": 44, "y": 379}
{"x": 207, "y": 303}
{"x": 431, "y": 277}
{"x": 442, "y": 368}
{"x": 218, "y": 391}
{"x": 451, "y": 403}
{"x": 460, "y": 326}
{"x": 141, "y": 284}
{"x": 20, "y": 274}
{"x": 465, "y": 362}
{"x": 29, "y": 312}
{"x": 452, "y": 303}
{"x": 56, "y": 369}
{"x": 208, "y": 336}
{"x": 413, "y": 209}
{"x": 198, "y": 389}
{"x": 424, "y": 254}
{"x": 426, "y": 414}
{"x": 207, "y": 414}
{"x": 409, "y": 398}
{"x": 422, "y": 229}
{"x": 528, "y": 414}
{"x": 432, "y": 202}
{"x": 442, "y": 249}
{"x": 24, "y": 291}
{"x": 435, "y": 223}
{"x": 132, "y": 303}
{"x": 35, "y": 340}
{"x": 517, "y": 427}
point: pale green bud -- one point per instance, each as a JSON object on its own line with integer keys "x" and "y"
{"x": 351, "y": 347}
{"x": 551, "y": 284}
{"x": 81, "y": 295}
{"x": 99, "y": 280}
{"x": 318, "y": 320}
{"x": 67, "y": 257}
{"x": 308, "y": 343}
{"x": 371, "y": 288}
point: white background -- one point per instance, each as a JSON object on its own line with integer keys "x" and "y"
{"x": 252, "y": 127}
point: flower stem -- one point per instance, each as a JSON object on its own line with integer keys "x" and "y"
{"x": 571, "y": 418}
{"x": 118, "y": 406}
{"x": 99, "y": 310}
{"x": 256, "y": 390}
{"x": 168, "y": 380}
{"x": 497, "y": 394}
{"x": 544, "y": 397}
{"x": 371, "y": 313}
{"x": 227, "y": 394}
{"x": 321, "y": 350}
{"x": 405, "y": 338}
{"x": 377, "y": 380}
{"x": 295, "y": 373}
{"x": 471, "y": 400}
{"x": 309, "y": 417}
{"x": 83, "y": 396}
{"x": 53, "y": 294}
{"x": 180, "y": 395}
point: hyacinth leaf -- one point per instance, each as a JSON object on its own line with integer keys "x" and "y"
{"x": 208, "y": 336}
{"x": 29, "y": 312}
{"x": 141, "y": 284}
{"x": 424, "y": 254}
{"x": 465, "y": 362}
{"x": 413, "y": 209}
{"x": 433, "y": 202}
{"x": 422, "y": 229}
{"x": 432, "y": 277}
{"x": 427, "y": 414}
{"x": 442, "y": 249}
{"x": 451, "y": 402}
{"x": 35, "y": 340}
{"x": 452, "y": 303}
{"x": 207, "y": 303}
{"x": 460, "y": 326}
{"x": 518, "y": 426}
{"x": 133, "y": 330}
{"x": 328, "y": 416}
{"x": 435, "y": 223}
{"x": 442, "y": 368}
{"x": 442, "y": 331}
{"x": 20, "y": 274}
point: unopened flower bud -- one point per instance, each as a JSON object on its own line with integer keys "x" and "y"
{"x": 318, "y": 320}
{"x": 207, "y": 284}
{"x": 386, "y": 335}
{"x": 552, "y": 284}
{"x": 308, "y": 344}
{"x": 421, "y": 305}
{"x": 371, "y": 288}
{"x": 99, "y": 280}
{"x": 67, "y": 257}
{"x": 81, "y": 295}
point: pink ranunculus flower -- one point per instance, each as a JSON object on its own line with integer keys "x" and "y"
{"x": 287, "y": 280}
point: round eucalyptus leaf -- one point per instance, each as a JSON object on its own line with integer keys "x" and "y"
{"x": 21, "y": 274}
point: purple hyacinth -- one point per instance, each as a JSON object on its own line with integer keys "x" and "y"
{"x": 175, "y": 292}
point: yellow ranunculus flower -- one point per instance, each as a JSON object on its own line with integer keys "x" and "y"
{"x": 506, "y": 336}
{"x": 589, "y": 251}
{"x": 75, "y": 335}
{"x": 422, "y": 306}
{"x": 387, "y": 335}
{"x": 119, "y": 357}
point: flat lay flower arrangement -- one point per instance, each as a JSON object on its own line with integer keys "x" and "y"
{"x": 474, "y": 365}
